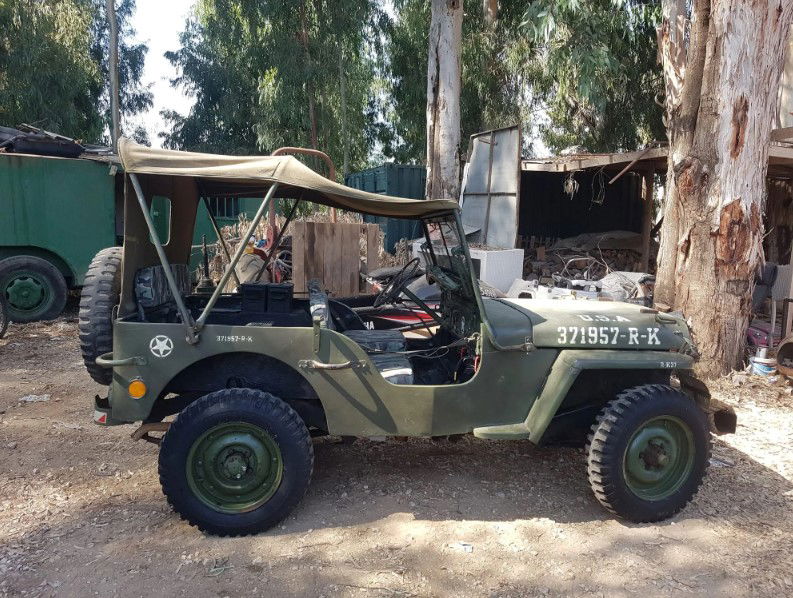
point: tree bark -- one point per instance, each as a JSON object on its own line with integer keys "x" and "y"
{"x": 719, "y": 130}
{"x": 490, "y": 12}
{"x": 312, "y": 112}
{"x": 115, "y": 109}
{"x": 443, "y": 100}
{"x": 343, "y": 92}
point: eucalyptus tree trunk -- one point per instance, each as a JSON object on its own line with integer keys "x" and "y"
{"x": 719, "y": 116}
{"x": 443, "y": 100}
{"x": 115, "y": 109}
{"x": 312, "y": 111}
{"x": 345, "y": 141}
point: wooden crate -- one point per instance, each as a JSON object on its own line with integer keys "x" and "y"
{"x": 331, "y": 252}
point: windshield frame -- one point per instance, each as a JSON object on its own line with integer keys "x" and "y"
{"x": 456, "y": 226}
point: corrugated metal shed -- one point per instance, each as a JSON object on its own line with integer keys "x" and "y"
{"x": 546, "y": 210}
{"x": 397, "y": 180}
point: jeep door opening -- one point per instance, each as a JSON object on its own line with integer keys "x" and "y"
{"x": 252, "y": 375}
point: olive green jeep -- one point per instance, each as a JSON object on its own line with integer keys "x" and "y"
{"x": 252, "y": 376}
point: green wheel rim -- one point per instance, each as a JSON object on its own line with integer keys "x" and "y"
{"x": 27, "y": 293}
{"x": 234, "y": 467}
{"x": 659, "y": 458}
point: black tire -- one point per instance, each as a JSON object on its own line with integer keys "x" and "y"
{"x": 22, "y": 274}
{"x": 610, "y": 446}
{"x": 236, "y": 406}
{"x": 3, "y": 316}
{"x": 99, "y": 296}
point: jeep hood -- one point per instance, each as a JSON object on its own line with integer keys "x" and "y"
{"x": 586, "y": 324}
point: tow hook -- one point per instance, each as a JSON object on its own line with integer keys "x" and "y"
{"x": 142, "y": 433}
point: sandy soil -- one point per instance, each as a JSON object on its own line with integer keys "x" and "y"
{"x": 81, "y": 512}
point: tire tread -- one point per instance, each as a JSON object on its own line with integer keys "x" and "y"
{"x": 602, "y": 452}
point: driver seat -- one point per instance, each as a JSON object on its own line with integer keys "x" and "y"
{"x": 382, "y": 346}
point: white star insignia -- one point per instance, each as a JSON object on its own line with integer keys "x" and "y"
{"x": 161, "y": 346}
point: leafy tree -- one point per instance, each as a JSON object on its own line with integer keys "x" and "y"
{"x": 595, "y": 67}
{"x": 134, "y": 96}
{"x": 218, "y": 66}
{"x": 496, "y": 75}
{"x": 47, "y": 77}
{"x": 271, "y": 74}
{"x": 575, "y": 72}
{"x": 53, "y": 67}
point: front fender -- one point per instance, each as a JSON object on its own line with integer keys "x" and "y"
{"x": 571, "y": 363}
{"x": 568, "y": 365}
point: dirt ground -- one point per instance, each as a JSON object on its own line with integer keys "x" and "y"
{"x": 81, "y": 512}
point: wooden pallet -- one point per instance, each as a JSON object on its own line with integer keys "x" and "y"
{"x": 331, "y": 252}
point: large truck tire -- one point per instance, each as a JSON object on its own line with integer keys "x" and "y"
{"x": 3, "y": 316}
{"x": 34, "y": 289}
{"x": 100, "y": 295}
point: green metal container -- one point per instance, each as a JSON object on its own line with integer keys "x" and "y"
{"x": 397, "y": 180}
{"x": 56, "y": 214}
{"x": 59, "y": 209}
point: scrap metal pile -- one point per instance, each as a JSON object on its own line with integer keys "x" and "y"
{"x": 596, "y": 266}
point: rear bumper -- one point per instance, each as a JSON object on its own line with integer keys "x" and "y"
{"x": 102, "y": 413}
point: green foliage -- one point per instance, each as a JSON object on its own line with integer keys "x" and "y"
{"x": 596, "y": 68}
{"x": 588, "y": 66}
{"x": 134, "y": 97}
{"x": 219, "y": 67}
{"x": 47, "y": 77}
{"x": 256, "y": 68}
{"x": 53, "y": 66}
{"x": 494, "y": 76}
{"x": 574, "y": 72}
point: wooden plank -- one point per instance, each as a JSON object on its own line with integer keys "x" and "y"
{"x": 312, "y": 257}
{"x": 351, "y": 259}
{"x": 783, "y": 134}
{"x": 298, "y": 256}
{"x": 331, "y": 248}
{"x": 582, "y": 162}
{"x": 372, "y": 255}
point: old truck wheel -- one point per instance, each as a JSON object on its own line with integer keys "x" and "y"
{"x": 99, "y": 296}
{"x": 236, "y": 462}
{"x": 34, "y": 289}
{"x": 648, "y": 453}
{"x": 3, "y": 316}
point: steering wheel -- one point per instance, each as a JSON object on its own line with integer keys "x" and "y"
{"x": 397, "y": 284}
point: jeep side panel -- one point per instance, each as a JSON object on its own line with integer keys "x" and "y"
{"x": 357, "y": 401}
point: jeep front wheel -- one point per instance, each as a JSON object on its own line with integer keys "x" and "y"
{"x": 236, "y": 462}
{"x": 648, "y": 453}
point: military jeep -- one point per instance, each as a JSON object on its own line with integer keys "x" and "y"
{"x": 251, "y": 376}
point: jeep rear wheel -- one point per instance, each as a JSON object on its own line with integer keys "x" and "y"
{"x": 236, "y": 462}
{"x": 648, "y": 453}
{"x": 99, "y": 296}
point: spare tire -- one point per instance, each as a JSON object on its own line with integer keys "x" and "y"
{"x": 100, "y": 295}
